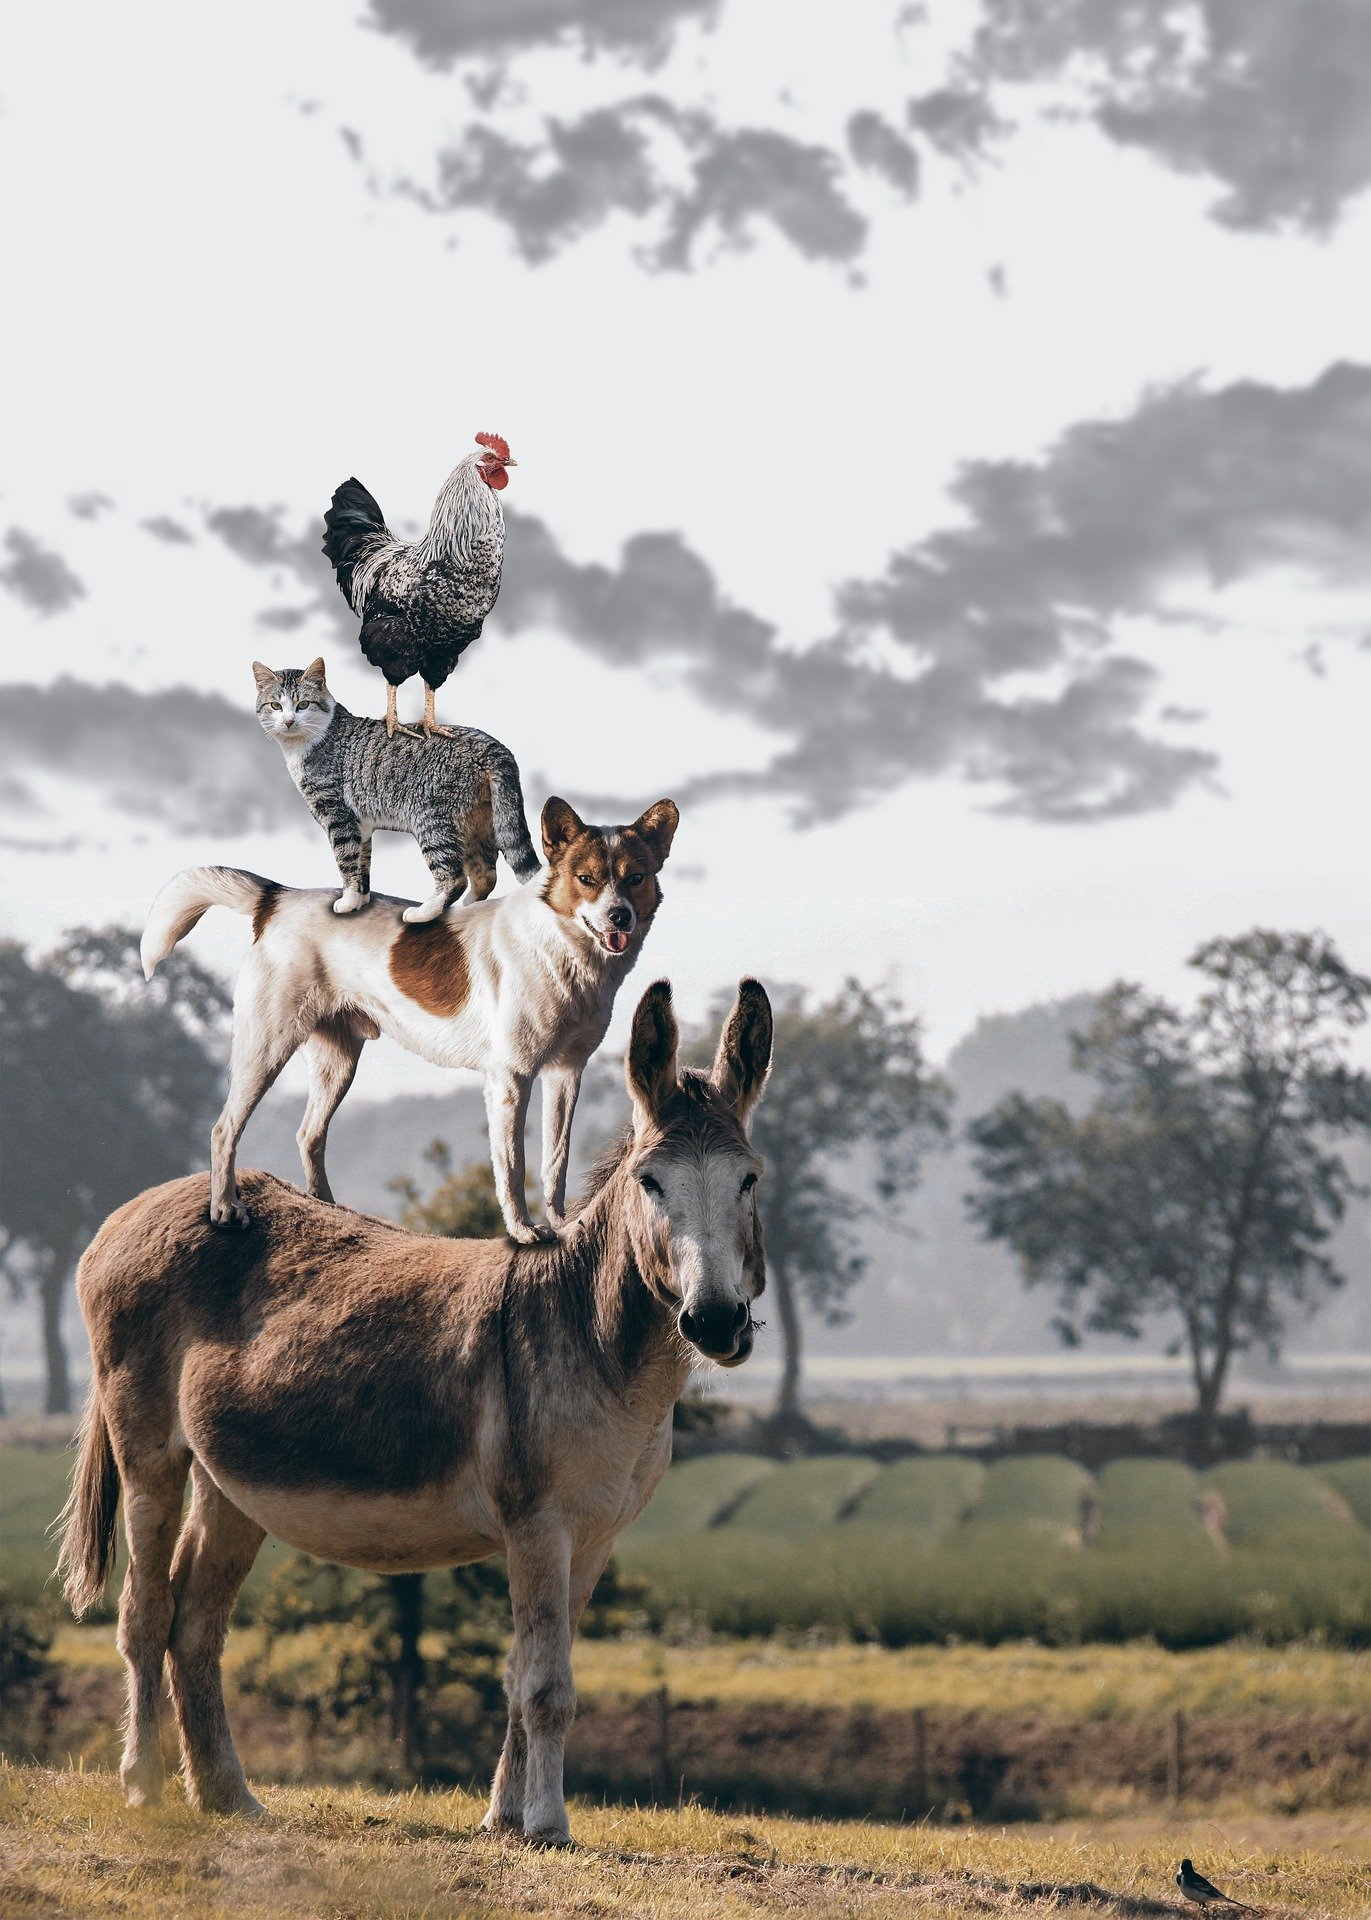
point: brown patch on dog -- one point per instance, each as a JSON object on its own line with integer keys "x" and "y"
{"x": 267, "y": 901}
{"x": 585, "y": 853}
{"x": 428, "y": 965}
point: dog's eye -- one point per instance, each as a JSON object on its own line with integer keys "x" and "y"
{"x": 634, "y": 880}
{"x": 587, "y": 879}
{"x": 648, "y": 1184}
{"x": 748, "y": 1184}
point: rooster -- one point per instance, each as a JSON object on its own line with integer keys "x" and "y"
{"x": 423, "y": 602}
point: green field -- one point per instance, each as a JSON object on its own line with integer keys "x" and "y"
{"x": 941, "y": 1548}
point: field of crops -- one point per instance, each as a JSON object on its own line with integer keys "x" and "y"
{"x": 941, "y": 1548}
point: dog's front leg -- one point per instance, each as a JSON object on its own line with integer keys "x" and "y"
{"x": 506, "y": 1111}
{"x": 561, "y": 1086}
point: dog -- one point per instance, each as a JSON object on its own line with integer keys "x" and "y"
{"x": 515, "y": 987}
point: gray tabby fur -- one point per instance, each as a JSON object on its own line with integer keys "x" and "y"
{"x": 460, "y": 797}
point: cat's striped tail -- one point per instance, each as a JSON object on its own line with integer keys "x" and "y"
{"x": 183, "y": 900}
{"x": 507, "y": 812}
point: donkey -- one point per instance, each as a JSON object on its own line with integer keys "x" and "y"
{"x": 395, "y": 1402}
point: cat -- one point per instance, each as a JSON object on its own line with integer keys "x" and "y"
{"x": 460, "y": 797}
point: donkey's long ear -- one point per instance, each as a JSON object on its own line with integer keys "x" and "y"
{"x": 650, "y": 1068}
{"x": 561, "y": 823}
{"x": 657, "y": 825}
{"x": 744, "y": 1057}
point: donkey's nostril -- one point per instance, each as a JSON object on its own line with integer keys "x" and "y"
{"x": 740, "y": 1316}
{"x": 690, "y": 1326}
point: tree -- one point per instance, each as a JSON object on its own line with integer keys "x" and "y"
{"x": 110, "y": 1086}
{"x": 1204, "y": 1182}
{"x": 462, "y": 1206}
{"x": 847, "y": 1075}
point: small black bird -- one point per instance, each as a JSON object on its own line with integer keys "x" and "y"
{"x": 1201, "y": 1891}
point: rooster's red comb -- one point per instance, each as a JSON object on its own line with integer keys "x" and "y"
{"x": 495, "y": 443}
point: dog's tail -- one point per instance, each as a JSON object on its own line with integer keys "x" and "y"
{"x": 182, "y": 901}
{"x": 87, "y": 1520}
{"x": 507, "y": 812}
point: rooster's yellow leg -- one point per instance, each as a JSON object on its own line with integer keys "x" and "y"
{"x": 429, "y": 723}
{"x": 393, "y": 719}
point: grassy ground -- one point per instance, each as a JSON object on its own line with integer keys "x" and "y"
{"x": 68, "y": 1847}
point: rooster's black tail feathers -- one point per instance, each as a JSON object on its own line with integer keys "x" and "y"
{"x": 351, "y": 527}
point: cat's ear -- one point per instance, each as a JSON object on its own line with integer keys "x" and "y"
{"x": 315, "y": 671}
{"x": 264, "y": 676}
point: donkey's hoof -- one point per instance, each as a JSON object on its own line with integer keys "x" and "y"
{"x": 498, "y": 1826}
{"x": 549, "y": 1837}
{"x": 228, "y": 1797}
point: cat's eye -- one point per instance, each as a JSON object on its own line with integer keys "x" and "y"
{"x": 300, "y": 705}
{"x": 649, "y": 1185}
{"x": 276, "y": 706}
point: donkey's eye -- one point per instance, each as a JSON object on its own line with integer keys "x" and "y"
{"x": 648, "y": 1184}
{"x": 748, "y": 1184}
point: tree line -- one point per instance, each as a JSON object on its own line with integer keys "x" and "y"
{"x": 1198, "y": 1187}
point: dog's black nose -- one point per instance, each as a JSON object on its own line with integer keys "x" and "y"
{"x": 621, "y": 917}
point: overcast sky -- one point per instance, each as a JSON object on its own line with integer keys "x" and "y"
{"x": 944, "y": 442}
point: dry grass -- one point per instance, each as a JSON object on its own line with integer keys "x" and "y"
{"x": 1063, "y": 1683}
{"x": 68, "y": 1847}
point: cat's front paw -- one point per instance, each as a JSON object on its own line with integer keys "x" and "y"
{"x": 430, "y": 909}
{"x": 350, "y": 901}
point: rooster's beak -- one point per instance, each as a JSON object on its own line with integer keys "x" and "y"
{"x": 509, "y": 463}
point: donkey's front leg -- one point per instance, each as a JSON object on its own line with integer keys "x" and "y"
{"x": 506, "y": 1113}
{"x": 539, "y": 1558}
{"x": 506, "y": 1811}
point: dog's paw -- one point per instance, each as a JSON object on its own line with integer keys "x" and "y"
{"x": 350, "y": 902}
{"x": 531, "y": 1233}
{"x": 230, "y": 1217}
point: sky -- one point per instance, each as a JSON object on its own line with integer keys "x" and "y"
{"x": 944, "y": 442}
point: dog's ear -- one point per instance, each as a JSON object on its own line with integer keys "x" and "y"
{"x": 658, "y": 827}
{"x": 315, "y": 671}
{"x": 744, "y": 1057}
{"x": 650, "y": 1064}
{"x": 264, "y": 676}
{"x": 561, "y": 824}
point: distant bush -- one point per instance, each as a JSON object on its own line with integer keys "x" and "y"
{"x": 699, "y": 1492}
{"x": 804, "y": 1495}
{"x": 1266, "y": 1503}
{"x": 927, "y": 1496}
{"x": 1351, "y": 1481}
{"x": 1158, "y": 1499}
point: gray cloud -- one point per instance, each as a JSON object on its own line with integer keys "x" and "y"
{"x": 89, "y": 506}
{"x": 38, "y": 576}
{"x": 162, "y": 527}
{"x": 679, "y": 170}
{"x": 188, "y": 760}
{"x": 1270, "y": 99}
{"x": 882, "y": 149}
{"x": 1042, "y": 563}
{"x": 442, "y": 32}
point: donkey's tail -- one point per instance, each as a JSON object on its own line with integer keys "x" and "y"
{"x": 87, "y": 1520}
{"x": 507, "y": 812}
{"x": 182, "y": 901}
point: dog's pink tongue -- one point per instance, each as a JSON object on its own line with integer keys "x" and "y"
{"x": 616, "y": 940}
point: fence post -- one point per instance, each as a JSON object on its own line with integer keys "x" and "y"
{"x": 920, "y": 1782}
{"x": 1175, "y": 1759}
{"x": 663, "y": 1698}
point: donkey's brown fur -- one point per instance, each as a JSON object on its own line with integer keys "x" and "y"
{"x": 393, "y": 1401}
